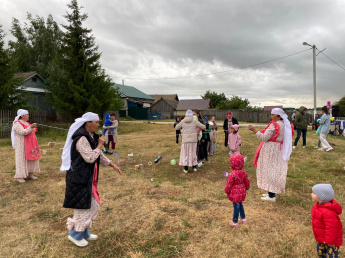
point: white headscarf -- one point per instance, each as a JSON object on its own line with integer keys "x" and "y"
{"x": 189, "y": 112}
{"x": 287, "y": 141}
{"x": 20, "y": 112}
{"x": 66, "y": 153}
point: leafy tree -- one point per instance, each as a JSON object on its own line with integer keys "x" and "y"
{"x": 36, "y": 45}
{"x": 341, "y": 104}
{"x": 235, "y": 102}
{"x": 78, "y": 82}
{"x": 216, "y": 99}
{"x": 11, "y": 94}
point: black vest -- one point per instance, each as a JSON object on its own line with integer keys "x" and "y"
{"x": 79, "y": 177}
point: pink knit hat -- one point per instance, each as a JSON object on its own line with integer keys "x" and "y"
{"x": 236, "y": 126}
{"x": 229, "y": 113}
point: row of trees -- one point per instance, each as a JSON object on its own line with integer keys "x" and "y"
{"x": 220, "y": 101}
{"x": 341, "y": 104}
{"x": 68, "y": 59}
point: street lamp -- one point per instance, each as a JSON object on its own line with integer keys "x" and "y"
{"x": 314, "y": 73}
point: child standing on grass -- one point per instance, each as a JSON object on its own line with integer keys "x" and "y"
{"x": 327, "y": 226}
{"x": 236, "y": 188}
{"x": 234, "y": 140}
{"x": 178, "y": 132}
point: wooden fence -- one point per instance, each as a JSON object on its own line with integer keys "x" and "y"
{"x": 39, "y": 117}
{"x": 246, "y": 116}
{"x": 7, "y": 117}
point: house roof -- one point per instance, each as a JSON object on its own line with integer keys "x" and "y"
{"x": 171, "y": 102}
{"x": 194, "y": 104}
{"x": 167, "y": 96}
{"x": 28, "y": 75}
{"x": 269, "y": 108}
{"x": 131, "y": 92}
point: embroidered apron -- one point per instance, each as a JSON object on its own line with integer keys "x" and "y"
{"x": 32, "y": 150}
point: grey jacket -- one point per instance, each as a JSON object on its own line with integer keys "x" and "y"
{"x": 188, "y": 128}
{"x": 326, "y": 123}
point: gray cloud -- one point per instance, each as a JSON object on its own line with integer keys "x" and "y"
{"x": 155, "y": 39}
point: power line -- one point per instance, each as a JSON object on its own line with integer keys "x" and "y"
{"x": 333, "y": 60}
{"x": 206, "y": 74}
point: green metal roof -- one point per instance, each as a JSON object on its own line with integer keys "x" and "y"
{"x": 131, "y": 92}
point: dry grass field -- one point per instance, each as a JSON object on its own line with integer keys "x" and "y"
{"x": 159, "y": 211}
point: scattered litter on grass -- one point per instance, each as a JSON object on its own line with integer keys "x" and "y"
{"x": 157, "y": 159}
{"x": 139, "y": 166}
{"x": 51, "y": 144}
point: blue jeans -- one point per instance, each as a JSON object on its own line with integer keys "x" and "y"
{"x": 238, "y": 210}
{"x": 79, "y": 235}
{"x": 304, "y": 133}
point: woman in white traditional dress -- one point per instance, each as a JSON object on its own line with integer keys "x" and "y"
{"x": 24, "y": 142}
{"x": 273, "y": 154}
{"x": 81, "y": 158}
{"x": 188, "y": 154}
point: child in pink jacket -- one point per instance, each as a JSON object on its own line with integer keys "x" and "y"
{"x": 234, "y": 140}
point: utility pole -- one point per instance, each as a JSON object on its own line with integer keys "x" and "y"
{"x": 314, "y": 78}
{"x": 314, "y": 72}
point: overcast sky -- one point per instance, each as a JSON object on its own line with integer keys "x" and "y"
{"x": 177, "y": 38}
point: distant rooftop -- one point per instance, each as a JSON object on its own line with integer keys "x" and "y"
{"x": 166, "y": 96}
{"x": 28, "y": 75}
{"x": 193, "y": 104}
{"x": 132, "y": 92}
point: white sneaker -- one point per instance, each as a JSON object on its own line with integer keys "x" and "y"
{"x": 321, "y": 149}
{"x": 92, "y": 237}
{"x": 267, "y": 198}
{"x": 186, "y": 171}
{"x": 316, "y": 147}
{"x": 264, "y": 195}
{"x": 195, "y": 170}
{"x": 329, "y": 149}
{"x": 304, "y": 147}
{"x": 80, "y": 243}
{"x": 294, "y": 147}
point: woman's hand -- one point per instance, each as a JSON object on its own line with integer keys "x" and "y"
{"x": 34, "y": 125}
{"x": 101, "y": 141}
{"x": 116, "y": 168}
{"x": 252, "y": 128}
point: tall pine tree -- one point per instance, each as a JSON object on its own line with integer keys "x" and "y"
{"x": 79, "y": 84}
{"x": 11, "y": 94}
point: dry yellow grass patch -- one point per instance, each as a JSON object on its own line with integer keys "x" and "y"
{"x": 176, "y": 214}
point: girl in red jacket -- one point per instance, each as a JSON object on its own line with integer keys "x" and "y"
{"x": 327, "y": 227}
{"x": 236, "y": 187}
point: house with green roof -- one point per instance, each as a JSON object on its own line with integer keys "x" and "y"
{"x": 136, "y": 103}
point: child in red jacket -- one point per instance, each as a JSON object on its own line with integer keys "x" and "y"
{"x": 327, "y": 227}
{"x": 236, "y": 187}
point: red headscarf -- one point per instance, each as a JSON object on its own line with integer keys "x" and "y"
{"x": 229, "y": 113}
